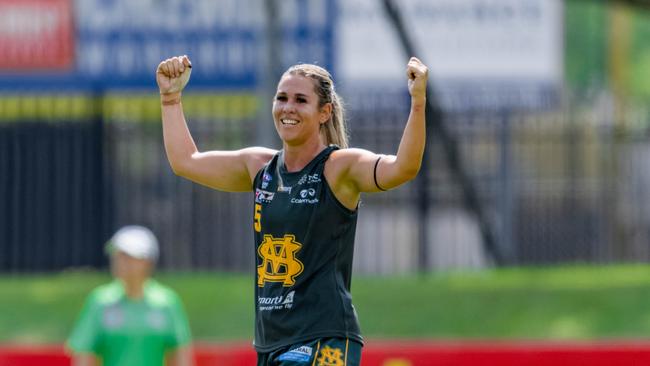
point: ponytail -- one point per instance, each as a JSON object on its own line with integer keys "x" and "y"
{"x": 335, "y": 130}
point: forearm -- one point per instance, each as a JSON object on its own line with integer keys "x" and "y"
{"x": 411, "y": 147}
{"x": 179, "y": 144}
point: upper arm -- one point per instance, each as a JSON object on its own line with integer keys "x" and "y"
{"x": 357, "y": 168}
{"x": 232, "y": 171}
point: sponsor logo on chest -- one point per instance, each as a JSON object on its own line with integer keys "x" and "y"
{"x": 309, "y": 179}
{"x": 266, "y": 178}
{"x": 262, "y": 196}
{"x": 156, "y": 319}
{"x": 114, "y": 317}
{"x": 307, "y": 195}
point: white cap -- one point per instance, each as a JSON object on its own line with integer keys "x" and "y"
{"x": 136, "y": 241}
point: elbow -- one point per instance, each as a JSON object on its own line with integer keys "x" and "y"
{"x": 182, "y": 164}
{"x": 410, "y": 172}
{"x": 179, "y": 168}
{"x": 407, "y": 167}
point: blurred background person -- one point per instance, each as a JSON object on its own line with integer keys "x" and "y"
{"x": 134, "y": 320}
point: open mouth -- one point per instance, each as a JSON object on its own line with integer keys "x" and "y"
{"x": 287, "y": 121}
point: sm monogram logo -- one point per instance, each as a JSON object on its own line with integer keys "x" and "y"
{"x": 279, "y": 262}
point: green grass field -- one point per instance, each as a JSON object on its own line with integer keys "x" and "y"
{"x": 540, "y": 303}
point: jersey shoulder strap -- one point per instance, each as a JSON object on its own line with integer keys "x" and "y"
{"x": 267, "y": 168}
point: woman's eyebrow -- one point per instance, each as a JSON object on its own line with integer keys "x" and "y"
{"x": 296, "y": 94}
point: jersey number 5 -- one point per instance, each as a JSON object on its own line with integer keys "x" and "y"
{"x": 257, "y": 217}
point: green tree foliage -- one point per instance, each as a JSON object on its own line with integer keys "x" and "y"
{"x": 640, "y": 55}
{"x": 588, "y": 44}
{"x": 585, "y": 45}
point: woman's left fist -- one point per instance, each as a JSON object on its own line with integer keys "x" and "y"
{"x": 417, "y": 74}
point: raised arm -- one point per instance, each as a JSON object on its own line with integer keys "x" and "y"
{"x": 364, "y": 171}
{"x": 222, "y": 170}
{"x": 393, "y": 171}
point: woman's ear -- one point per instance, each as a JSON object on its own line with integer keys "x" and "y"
{"x": 325, "y": 113}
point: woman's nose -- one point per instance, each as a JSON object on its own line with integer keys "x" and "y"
{"x": 289, "y": 106}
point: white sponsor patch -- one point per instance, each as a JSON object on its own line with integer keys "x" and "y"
{"x": 156, "y": 319}
{"x": 307, "y": 195}
{"x": 309, "y": 178}
{"x": 113, "y": 317}
{"x": 262, "y": 196}
{"x": 276, "y": 303}
{"x": 300, "y": 354}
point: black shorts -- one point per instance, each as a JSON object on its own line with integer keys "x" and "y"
{"x": 323, "y": 351}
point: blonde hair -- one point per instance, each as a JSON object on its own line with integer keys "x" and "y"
{"x": 334, "y": 130}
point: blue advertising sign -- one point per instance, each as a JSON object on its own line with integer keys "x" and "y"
{"x": 119, "y": 43}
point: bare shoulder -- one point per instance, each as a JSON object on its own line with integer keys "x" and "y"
{"x": 255, "y": 153}
{"x": 344, "y": 158}
{"x": 346, "y": 163}
{"x": 347, "y": 171}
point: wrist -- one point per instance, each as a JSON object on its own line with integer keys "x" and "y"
{"x": 170, "y": 98}
{"x": 418, "y": 103}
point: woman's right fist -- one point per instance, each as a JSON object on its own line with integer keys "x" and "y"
{"x": 173, "y": 74}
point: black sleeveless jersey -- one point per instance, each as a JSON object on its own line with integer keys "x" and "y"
{"x": 304, "y": 241}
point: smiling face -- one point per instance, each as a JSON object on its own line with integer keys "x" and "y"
{"x": 296, "y": 111}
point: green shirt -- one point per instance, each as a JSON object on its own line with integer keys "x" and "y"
{"x": 128, "y": 332}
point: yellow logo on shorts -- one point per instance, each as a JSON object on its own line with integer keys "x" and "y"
{"x": 330, "y": 357}
{"x": 279, "y": 262}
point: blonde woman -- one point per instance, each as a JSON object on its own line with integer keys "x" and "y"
{"x": 305, "y": 205}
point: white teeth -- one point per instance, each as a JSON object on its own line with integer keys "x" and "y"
{"x": 289, "y": 121}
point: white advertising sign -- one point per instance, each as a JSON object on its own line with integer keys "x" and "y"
{"x": 501, "y": 53}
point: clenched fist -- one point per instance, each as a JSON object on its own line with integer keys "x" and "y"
{"x": 173, "y": 74}
{"x": 417, "y": 74}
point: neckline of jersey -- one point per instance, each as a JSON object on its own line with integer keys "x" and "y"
{"x": 283, "y": 168}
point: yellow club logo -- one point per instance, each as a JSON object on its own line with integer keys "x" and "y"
{"x": 279, "y": 262}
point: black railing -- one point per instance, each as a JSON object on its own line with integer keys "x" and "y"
{"x": 579, "y": 187}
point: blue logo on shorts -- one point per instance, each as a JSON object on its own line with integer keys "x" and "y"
{"x": 300, "y": 354}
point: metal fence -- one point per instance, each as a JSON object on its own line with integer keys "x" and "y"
{"x": 51, "y": 186}
{"x": 563, "y": 186}
{"x": 199, "y": 228}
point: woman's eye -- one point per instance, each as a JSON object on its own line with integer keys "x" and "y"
{"x": 281, "y": 98}
{"x": 301, "y": 100}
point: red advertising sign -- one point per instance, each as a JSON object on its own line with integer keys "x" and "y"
{"x": 36, "y": 35}
{"x": 399, "y": 353}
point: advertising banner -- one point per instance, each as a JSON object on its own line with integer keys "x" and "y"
{"x": 398, "y": 353}
{"x": 36, "y": 35}
{"x": 119, "y": 43}
{"x": 481, "y": 53}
